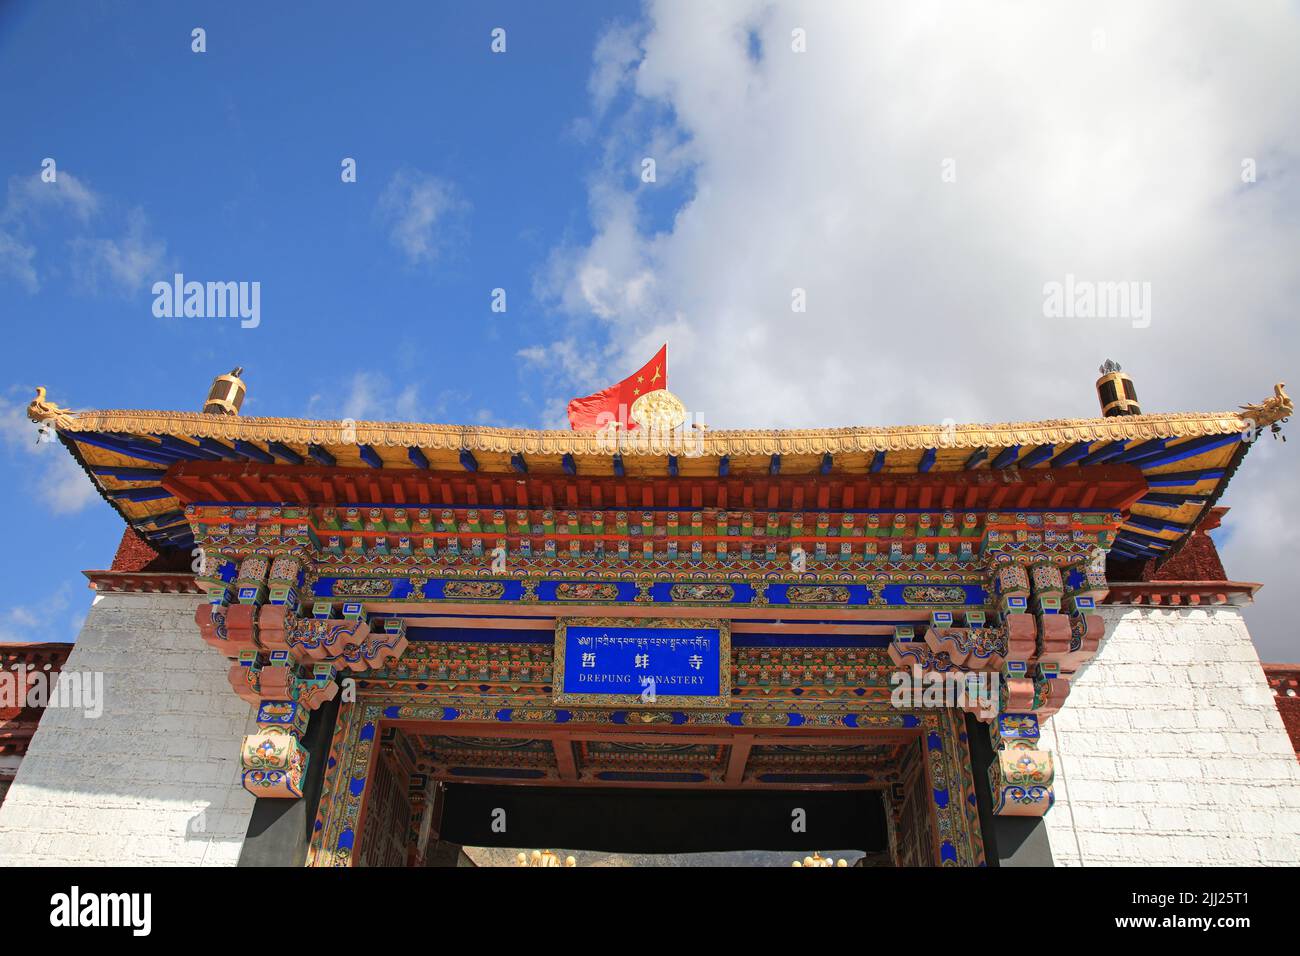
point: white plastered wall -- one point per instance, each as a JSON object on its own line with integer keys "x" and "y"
{"x": 154, "y": 779}
{"x": 1170, "y": 750}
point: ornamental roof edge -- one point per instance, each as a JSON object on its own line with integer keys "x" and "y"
{"x": 710, "y": 443}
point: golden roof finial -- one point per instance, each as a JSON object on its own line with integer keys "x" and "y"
{"x": 41, "y": 412}
{"x": 226, "y": 396}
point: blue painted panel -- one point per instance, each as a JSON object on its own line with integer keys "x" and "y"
{"x": 682, "y": 661}
{"x": 324, "y": 589}
{"x": 514, "y": 590}
{"x": 974, "y": 594}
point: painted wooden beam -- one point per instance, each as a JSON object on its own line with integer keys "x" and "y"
{"x": 158, "y": 455}
{"x": 129, "y": 474}
{"x": 1072, "y": 454}
{"x": 185, "y": 449}
{"x": 321, "y": 456}
{"x": 1141, "y": 450}
{"x": 249, "y": 450}
{"x": 1005, "y": 457}
{"x": 1104, "y": 453}
{"x": 225, "y": 451}
{"x": 284, "y": 452}
{"x": 1039, "y": 454}
{"x": 1176, "y": 479}
{"x": 1188, "y": 449}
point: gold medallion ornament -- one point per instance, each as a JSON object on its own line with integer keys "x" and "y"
{"x": 659, "y": 410}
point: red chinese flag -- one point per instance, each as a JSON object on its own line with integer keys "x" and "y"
{"x": 613, "y": 403}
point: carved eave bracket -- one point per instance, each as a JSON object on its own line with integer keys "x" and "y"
{"x": 1026, "y": 648}
{"x": 285, "y": 662}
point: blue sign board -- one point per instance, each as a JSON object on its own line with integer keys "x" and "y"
{"x": 619, "y": 663}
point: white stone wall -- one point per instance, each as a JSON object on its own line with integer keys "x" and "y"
{"x": 1170, "y": 750}
{"x": 155, "y": 778}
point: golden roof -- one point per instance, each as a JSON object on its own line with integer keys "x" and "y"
{"x": 1186, "y": 468}
{"x": 712, "y": 443}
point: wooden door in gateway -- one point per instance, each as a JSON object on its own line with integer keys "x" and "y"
{"x": 384, "y": 838}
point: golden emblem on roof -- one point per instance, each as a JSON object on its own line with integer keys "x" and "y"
{"x": 659, "y": 410}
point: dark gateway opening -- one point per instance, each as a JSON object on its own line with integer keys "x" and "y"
{"x": 663, "y": 821}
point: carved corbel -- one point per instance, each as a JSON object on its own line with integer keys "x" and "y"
{"x": 1021, "y": 775}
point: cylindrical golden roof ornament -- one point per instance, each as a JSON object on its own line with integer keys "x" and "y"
{"x": 1115, "y": 391}
{"x": 226, "y": 395}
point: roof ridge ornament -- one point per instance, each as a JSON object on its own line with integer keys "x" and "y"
{"x": 42, "y": 412}
{"x": 1273, "y": 411}
{"x": 1116, "y": 391}
{"x": 226, "y": 394}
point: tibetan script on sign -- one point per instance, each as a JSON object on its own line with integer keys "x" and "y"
{"x": 655, "y": 662}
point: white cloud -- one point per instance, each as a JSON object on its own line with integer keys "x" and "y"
{"x": 1111, "y": 156}
{"x": 33, "y": 207}
{"x": 38, "y": 622}
{"x": 617, "y": 52}
{"x": 29, "y": 204}
{"x": 373, "y": 397}
{"x": 16, "y": 260}
{"x": 64, "y": 487}
{"x": 127, "y": 263}
{"x": 30, "y": 198}
{"x": 419, "y": 211}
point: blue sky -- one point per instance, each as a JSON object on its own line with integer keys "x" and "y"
{"x": 226, "y": 166}
{"x": 919, "y": 172}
